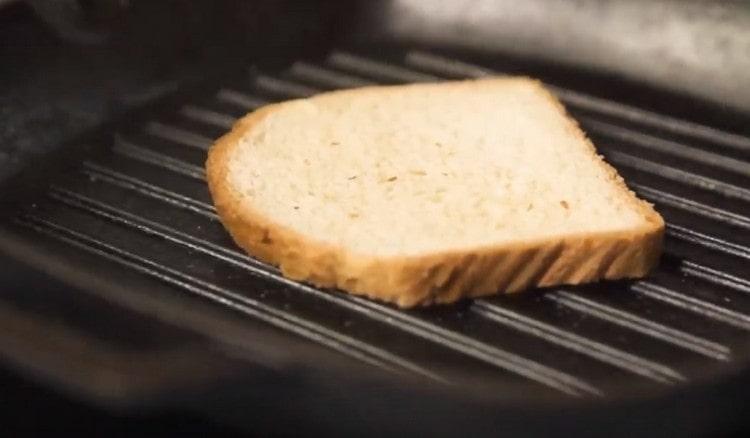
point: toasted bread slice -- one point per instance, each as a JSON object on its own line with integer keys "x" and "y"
{"x": 428, "y": 193}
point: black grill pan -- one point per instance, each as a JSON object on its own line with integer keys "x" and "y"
{"x": 129, "y": 243}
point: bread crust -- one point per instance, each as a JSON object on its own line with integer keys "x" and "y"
{"x": 443, "y": 277}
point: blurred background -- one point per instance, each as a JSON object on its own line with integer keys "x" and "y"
{"x": 98, "y": 57}
{"x": 69, "y": 66}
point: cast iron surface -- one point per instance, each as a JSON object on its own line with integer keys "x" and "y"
{"x": 135, "y": 211}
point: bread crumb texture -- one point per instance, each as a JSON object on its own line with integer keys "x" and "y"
{"x": 428, "y": 193}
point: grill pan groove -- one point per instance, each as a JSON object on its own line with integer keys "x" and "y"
{"x": 276, "y": 86}
{"x": 605, "y": 353}
{"x": 376, "y": 69}
{"x": 326, "y": 78}
{"x": 678, "y": 175}
{"x": 661, "y": 197}
{"x": 668, "y": 147}
{"x": 239, "y": 98}
{"x": 178, "y": 135}
{"x": 634, "y": 322}
{"x": 715, "y": 276}
{"x": 97, "y": 171}
{"x": 207, "y": 116}
{"x": 126, "y": 148}
{"x": 700, "y": 307}
{"x": 708, "y": 241}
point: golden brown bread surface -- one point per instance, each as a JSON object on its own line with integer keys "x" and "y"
{"x": 440, "y": 276}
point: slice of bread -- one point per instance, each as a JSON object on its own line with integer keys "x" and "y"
{"x": 428, "y": 193}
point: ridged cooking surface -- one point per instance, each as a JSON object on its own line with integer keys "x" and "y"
{"x": 146, "y": 207}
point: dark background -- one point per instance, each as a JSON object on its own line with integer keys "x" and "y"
{"x": 51, "y": 92}
{"x": 54, "y": 86}
{"x": 31, "y": 410}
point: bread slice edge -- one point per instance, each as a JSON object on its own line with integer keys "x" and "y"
{"x": 442, "y": 277}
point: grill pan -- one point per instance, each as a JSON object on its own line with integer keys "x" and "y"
{"x": 114, "y": 247}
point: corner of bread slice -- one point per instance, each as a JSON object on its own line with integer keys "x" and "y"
{"x": 567, "y": 260}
